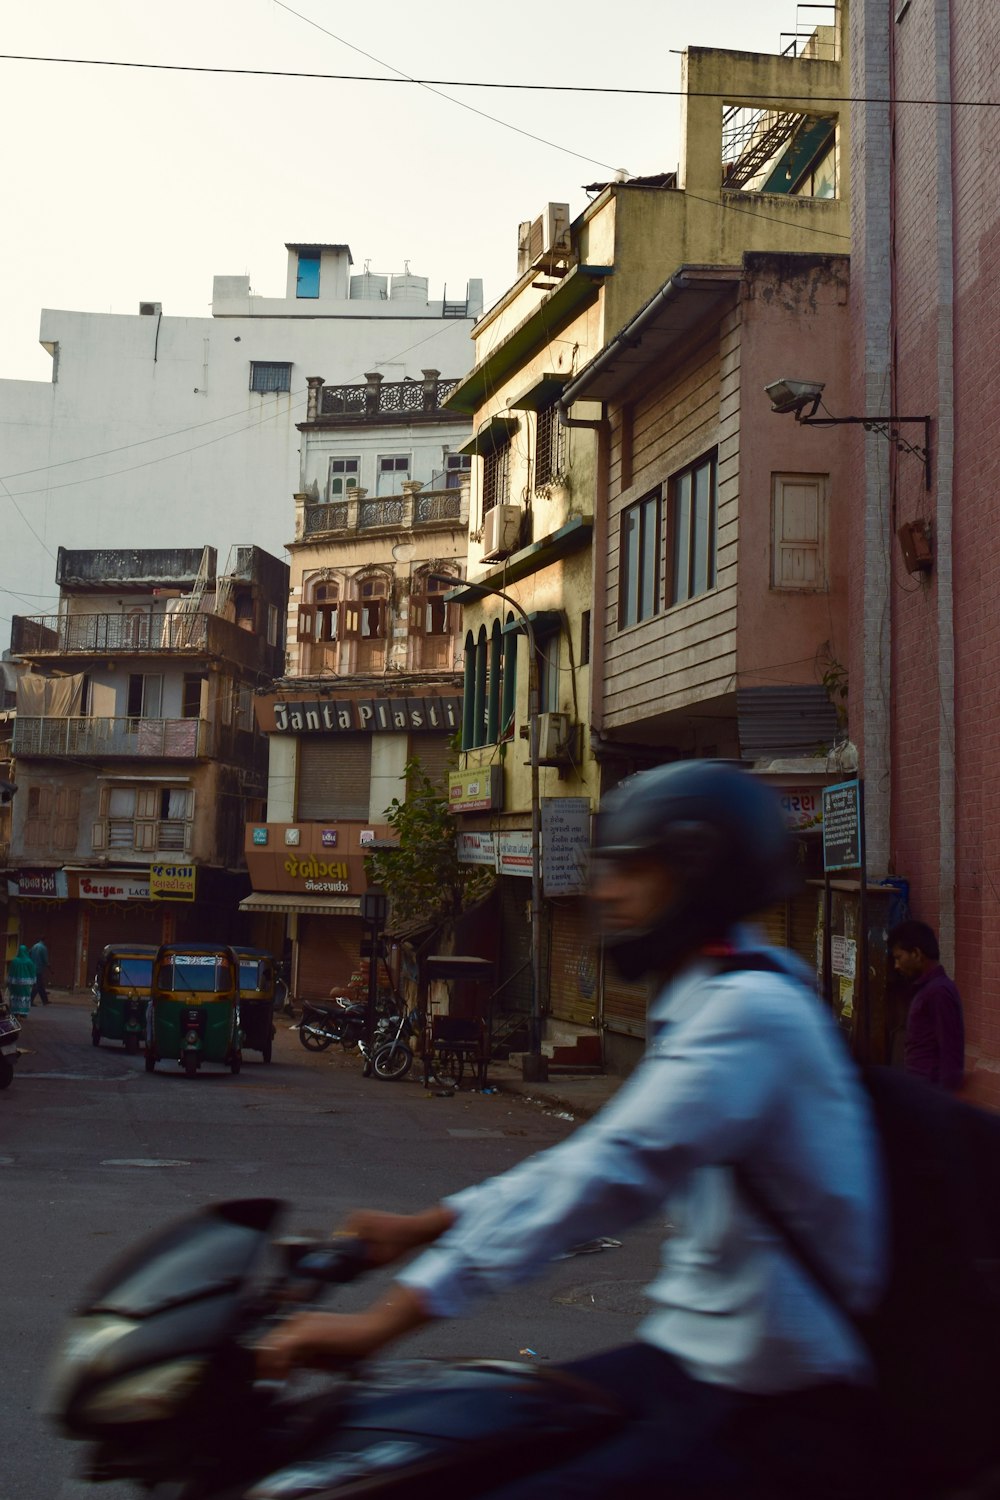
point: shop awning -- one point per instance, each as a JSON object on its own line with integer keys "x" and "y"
{"x": 279, "y": 901}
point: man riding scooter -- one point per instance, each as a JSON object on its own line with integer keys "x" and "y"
{"x": 744, "y": 1379}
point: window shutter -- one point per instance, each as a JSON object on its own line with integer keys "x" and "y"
{"x": 145, "y": 837}
{"x": 147, "y": 802}
{"x": 799, "y": 531}
{"x": 98, "y": 836}
{"x": 306, "y": 631}
{"x": 351, "y": 616}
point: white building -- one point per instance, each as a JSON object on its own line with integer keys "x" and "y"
{"x": 155, "y": 429}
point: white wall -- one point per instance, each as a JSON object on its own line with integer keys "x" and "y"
{"x": 169, "y": 446}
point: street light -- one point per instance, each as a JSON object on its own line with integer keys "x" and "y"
{"x": 804, "y": 397}
{"x": 374, "y": 910}
{"x": 534, "y": 1066}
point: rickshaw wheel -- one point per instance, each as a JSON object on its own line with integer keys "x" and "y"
{"x": 131, "y": 1045}
{"x": 190, "y": 1061}
{"x": 236, "y": 1062}
{"x": 95, "y": 1037}
{"x": 150, "y": 1059}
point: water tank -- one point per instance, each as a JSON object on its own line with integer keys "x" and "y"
{"x": 369, "y": 288}
{"x": 407, "y": 288}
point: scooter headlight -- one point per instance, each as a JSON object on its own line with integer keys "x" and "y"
{"x": 148, "y": 1396}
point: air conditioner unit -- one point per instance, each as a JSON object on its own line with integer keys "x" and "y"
{"x": 501, "y": 530}
{"x": 554, "y": 737}
{"x": 547, "y": 235}
{"x": 150, "y": 309}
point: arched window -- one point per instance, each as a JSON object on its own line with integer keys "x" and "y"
{"x": 320, "y": 626}
{"x": 432, "y": 624}
{"x": 366, "y": 622}
{"x": 508, "y": 703}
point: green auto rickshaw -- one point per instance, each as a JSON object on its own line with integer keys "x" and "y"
{"x": 257, "y": 984}
{"x": 121, "y": 994}
{"x": 194, "y": 1007}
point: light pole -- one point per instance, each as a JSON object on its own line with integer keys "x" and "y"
{"x": 535, "y": 1065}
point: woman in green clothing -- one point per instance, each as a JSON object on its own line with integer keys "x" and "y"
{"x": 21, "y": 977}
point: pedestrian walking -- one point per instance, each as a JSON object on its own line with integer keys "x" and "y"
{"x": 20, "y": 979}
{"x": 39, "y": 956}
{"x": 935, "y": 1025}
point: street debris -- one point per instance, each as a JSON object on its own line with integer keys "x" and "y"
{"x": 590, "y": 1247}
{"x": 532, "y": 1354}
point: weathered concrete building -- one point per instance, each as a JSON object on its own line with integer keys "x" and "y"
{"x": 137, "y": 751}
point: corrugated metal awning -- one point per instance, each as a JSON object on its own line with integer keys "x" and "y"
{"x": 279, "y": 901}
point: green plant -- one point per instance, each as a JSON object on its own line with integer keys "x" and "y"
{"x": 423, "y": 877}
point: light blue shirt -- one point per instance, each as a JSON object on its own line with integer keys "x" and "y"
{"x": 743, "y": 1066}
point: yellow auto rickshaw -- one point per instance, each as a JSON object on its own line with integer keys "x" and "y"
{"x": 257, "y": 999}
{"x": 194, "y": 1007}
{"x": 121, "y": 994}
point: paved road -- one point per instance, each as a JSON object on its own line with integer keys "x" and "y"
{"x": 95, "y": 1153}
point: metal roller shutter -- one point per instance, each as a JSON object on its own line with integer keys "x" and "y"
{"x": 55, "y": 923}
{"x": 329, "y": 952}
{"x": 514, "y": 962}
{"x": 625, "y": 1003}
{"x": 113, "y": 922}
{"x": 436, "y": 756}
{"x": 335, "y": 777}
{"x": 773, "y": 925}
{"x": 573, "y": 963}
{"x": 803, "y": 925}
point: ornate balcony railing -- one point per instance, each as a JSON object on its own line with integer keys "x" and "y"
{"x": 401, "y": 512}
{"x": 145, "y": 739}
{"x": 404, "y": 398}
{"x": 144, "y": 634}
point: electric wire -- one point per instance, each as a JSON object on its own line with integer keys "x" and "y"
{"x": 471, "y": 83}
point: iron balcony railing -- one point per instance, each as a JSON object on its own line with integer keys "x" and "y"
{"x": 401, "y": 512}
{"x": 145, "y": 634}
{"x": 152, "y": 739}
{"x": 404, "y": 398}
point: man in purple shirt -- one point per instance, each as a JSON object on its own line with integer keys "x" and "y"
{"x": 935, "y": 1029}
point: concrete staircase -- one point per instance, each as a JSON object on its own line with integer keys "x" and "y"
{"x": 570, "y": 1050}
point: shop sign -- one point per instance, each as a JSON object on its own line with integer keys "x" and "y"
{"x": 171, "y": 882}
{"x": 260, "y": 835}
{"x": 319, "y": 876}
{"x": 566, "y": 841}
{"x": 803, "y": 809}
{"x": 328, "y": 838}
{"x": 476, "y": 791}
{"x": 43, "y": 883}
{"x": 104, "y": 887}
{"x": 514, "y": 852}
{"x": 477, "y": 849}
{"x": 381, "y": 715}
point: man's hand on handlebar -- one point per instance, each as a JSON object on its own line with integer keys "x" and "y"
{"x": 321, "y": 1341}
{"x": 388, "y": 1237}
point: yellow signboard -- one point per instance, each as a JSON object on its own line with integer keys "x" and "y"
{"x": 171, "y": 882}
{"x": 476, "y": 791}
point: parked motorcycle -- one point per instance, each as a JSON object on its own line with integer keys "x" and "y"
{"x": 392, "y": 1059}
{"x": 10, "y": 1034}
{"x": 156, "y": 1372}
{"x": 342, "y": 1021}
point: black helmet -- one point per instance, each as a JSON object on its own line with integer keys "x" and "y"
{"x": 721, "y": 830}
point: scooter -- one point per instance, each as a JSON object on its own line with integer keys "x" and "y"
{"x": 156, "y": 1372}
{"x": 10, "y": 1032}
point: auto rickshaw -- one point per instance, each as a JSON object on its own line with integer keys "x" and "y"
{"x": 121, "y": 994}
{"x": 257, "y": 999}
{"x": 194, "y": 1007}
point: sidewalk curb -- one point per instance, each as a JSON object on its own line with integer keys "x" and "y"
{"x": 559, "y": 1095}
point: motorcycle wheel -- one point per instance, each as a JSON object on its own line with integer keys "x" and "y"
{"x": 236, "y": 1062}
{"x": 190, "y": 1063}
{"x": 311, "y": 1040}
{"x": 150, "y": 1060}
{"x": 131, "y": 1045}
{"x": 6, "y": 1073}
{"x": 393, "y": 1062}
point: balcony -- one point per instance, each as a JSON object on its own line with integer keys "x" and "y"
{"x": 410, "y": 511}
{"x": 395, "y": 398}
{"x": 99, "y": 738}
{"x": 153, "y": 634}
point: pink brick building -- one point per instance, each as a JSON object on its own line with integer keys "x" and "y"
{"x": 925, "y": 271}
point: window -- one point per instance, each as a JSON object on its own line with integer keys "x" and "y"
{"x": 327, "y": 597}
{"x": 145, "y": 818}
{"x": 392, "y": 469}
{"x": 692, "y": 523}
{"x": 267, "y": 376}
{"x": 585, "y": 638}
{"x": 53, "y": 817}
{"x": 548, "y": 673}
{"x": 366, "y": 625}
{"x": 307, "y": 277}
{"x": 496, "y": 476}
{"x": 430, "y": 624}
{"x": 639, "y": 561}
{"x": 273, "y": 624}
{"x": 548, "y": 444}
{"x": 798, "y": 531}
{"x": 456, "y": 467}
{"x": 344, "y": 474}
{"x": 145, "y": 696}
{"x": 489, "y": 704}
{"x": 192, "y": 695}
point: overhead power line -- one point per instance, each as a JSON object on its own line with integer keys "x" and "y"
{"x": 472, "y": 83}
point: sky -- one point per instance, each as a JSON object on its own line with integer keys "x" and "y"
{"x": 123, "y": 185}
